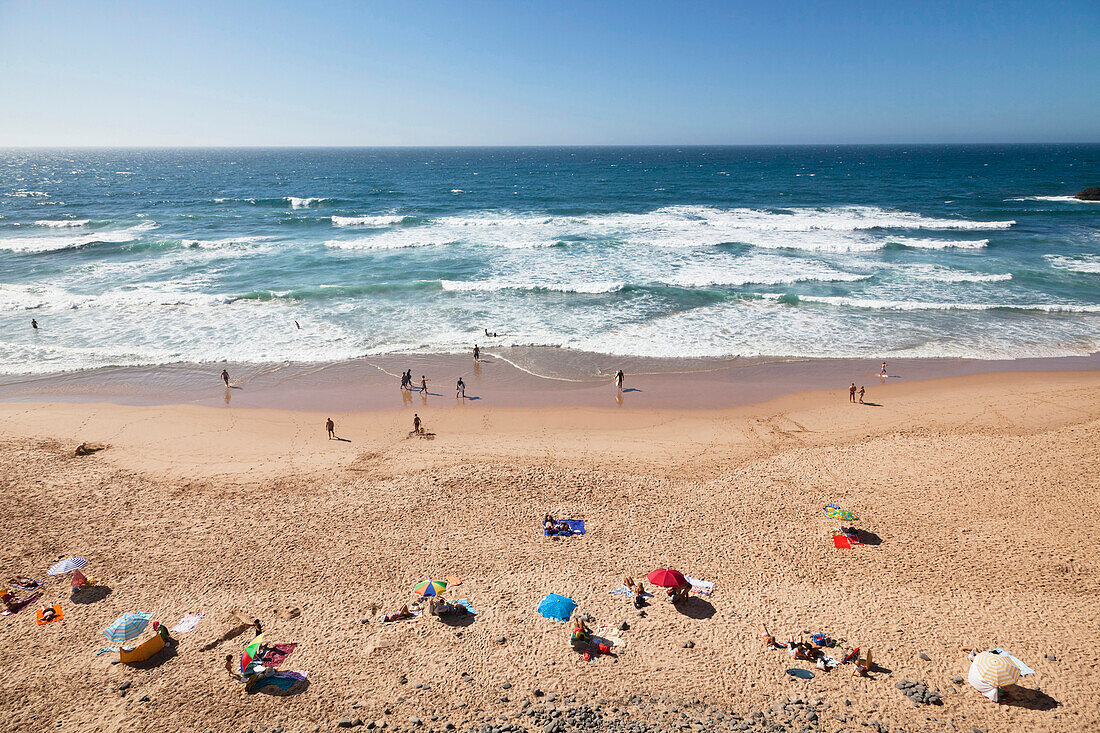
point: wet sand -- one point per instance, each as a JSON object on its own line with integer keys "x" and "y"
{"x": 979, "y": 495}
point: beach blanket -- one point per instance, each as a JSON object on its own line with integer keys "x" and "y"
{"x": 187, "y": 623}
{"x": 277, "y": 654}
{"x": 1024, "y": 669}
{"x": 282, "y": 680}
{"x": 415, "y": 613}
{"x": 576, "y": 526}
{"x": 622, "y": 590}
{"x": 841, "y": 542}
{"x": 607, "y": 634}
{"x": 57, "y": 616}
{"x": 466, "y": 603}
{"x": 20, "y": 604}
{"x": 702, "y": 587}
{"x": 29, "y": 586}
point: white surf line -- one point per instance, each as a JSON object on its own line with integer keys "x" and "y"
{"x": 395, "y": 376}
{"x": 541, "y": 376}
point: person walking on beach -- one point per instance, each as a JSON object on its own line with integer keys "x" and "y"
{"x": 330, "y": 426}
{"x": 477, "y": 353}
{"x": 619, "y": 379}
{"x": 883, "y": 372}
{"x": 852, "y": 392}
{"x": 34, "y": 324}
{"x": 862, "y": 389}
{"x": 460, "y": 389}
{"x": 225, "y": 377}
{"x": 423, "y": 385}
{"x": 416, "y": 423}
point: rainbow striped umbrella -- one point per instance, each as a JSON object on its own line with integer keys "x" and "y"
{"x": 996, "y": 669}
{"x": 251, "y": 651}
{"x": 843, "y": 515}
{"x": 429, "y": 588}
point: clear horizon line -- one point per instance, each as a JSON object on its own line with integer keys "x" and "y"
{"x": 541, "y": 145}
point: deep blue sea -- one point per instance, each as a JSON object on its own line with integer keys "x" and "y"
{"x": 158, "y": 256}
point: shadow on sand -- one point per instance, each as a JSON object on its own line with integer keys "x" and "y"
{"x": 695, "y": 607}
{"x": 91, "y": 595}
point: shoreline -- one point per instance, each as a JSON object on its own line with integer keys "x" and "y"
{"x": 509, "y": 377}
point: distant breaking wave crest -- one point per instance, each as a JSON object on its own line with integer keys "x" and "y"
{"x": 1087, "y": 264}
{"x": 53, "y": 243}
{"x": 837, "y": 229}
{"x": 61, "y": 223}
{"x": 905, "y": 305}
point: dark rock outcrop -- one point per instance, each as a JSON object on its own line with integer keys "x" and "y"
{"x": 1092, "y": 193}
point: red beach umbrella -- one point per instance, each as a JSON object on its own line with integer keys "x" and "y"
{"x": 666, "y": 578}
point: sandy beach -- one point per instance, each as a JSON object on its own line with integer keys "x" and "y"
{"x": 979, "y": 493}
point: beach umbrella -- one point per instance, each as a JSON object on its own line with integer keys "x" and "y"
{"x": 557, "y": 607}
{"x": 666, "y": 578}
{"x": 127, "y": 627}
{"x": 67, "y": 566}
{"x": 995, "y": 669}
{"x": 843, "y": 515}
{"x": 250, "y": 651}
{"x": 429, "y": 588}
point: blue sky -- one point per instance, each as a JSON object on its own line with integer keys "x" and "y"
{"x": 526, "y": 73}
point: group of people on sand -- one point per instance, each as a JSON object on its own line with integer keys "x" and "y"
{"x": 814, "y": 651}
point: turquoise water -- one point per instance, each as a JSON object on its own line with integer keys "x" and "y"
{"x": 160, "y": 256}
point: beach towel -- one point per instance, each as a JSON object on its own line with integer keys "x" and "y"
{"x": 607, "y": 634}
{"x": 453, "y": 580}
{"x": 622, "y": 590}
{"x": 1024, "y": 669}
{"x": 415, "y": 613}
{"x": 29, "y": 586}
{"x": 702, "y": 587}
{"x": 20, "y": 604}
{"x": 282, "y": 680}
{"x": 57, "y": 617}
{"x": 576, "y": 526}
{"x": 466, "y": 603}
{"x": 841, "y": 542}
{"x": 277, "y": 654}
{"x": 187, "y": 623}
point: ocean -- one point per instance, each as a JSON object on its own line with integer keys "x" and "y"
{"x": 147, "y": 257}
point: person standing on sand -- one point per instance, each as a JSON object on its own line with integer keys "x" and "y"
{"x": 862, "y": 389}
{"x": 423, "y": 385}
{"x": 225, "y": 377}
{"x": 34, "y": 324}
{"x": 852, "y": 393}
{"x": 619, "y": 379}
{"x": 477, "y": 353}
{"x": 460, "y": 389}
{"x": 883, "y": 372}
{"x": 330, "y": 426}
{"x": 416, "y": 423}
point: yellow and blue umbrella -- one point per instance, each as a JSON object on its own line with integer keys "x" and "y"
{"x": 429, "y": 588}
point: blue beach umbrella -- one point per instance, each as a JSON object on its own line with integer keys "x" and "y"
{"x": 127, "y": 627}
{"x": 557, "y": 607}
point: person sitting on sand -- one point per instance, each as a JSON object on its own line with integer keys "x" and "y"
{"x": 863, "y": 666}
{"x": 548, "y": 522}
{"x": 581, "y": 632}
{"x": 82, "y": 581}
{"x": 9, "y": 600}
{"x": 679, "y": 593}
{"x": 162, "y": 631}
{"x": 399, "y": 614}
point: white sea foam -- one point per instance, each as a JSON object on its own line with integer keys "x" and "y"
{"x": 924, "y": 243}
{"x": 837, "y": 229}
{"x": 62, "y": 223}
{"x": 304, "y": 203}
{"x": 1088, "y": 264}
{"x": 25, "y": 194}
{"x": 758, "y": 270}
{"x": 366, "y": 221}
{"x": 53, "y": 243}
{"x": 1062, "y": 199}
{"x": 936, "y": 273}
{"x": 908, "y": 305}
{"x": 225, "y": 242}
{"x": 532, "y": 285}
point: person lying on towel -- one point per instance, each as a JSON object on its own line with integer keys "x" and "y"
{"x": 403, "y": 613}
